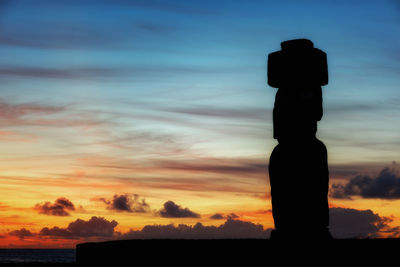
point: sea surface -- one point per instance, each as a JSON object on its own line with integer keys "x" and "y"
{"x": 37, "y": 255}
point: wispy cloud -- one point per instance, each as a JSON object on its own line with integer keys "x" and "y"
{"x": 223, "y": 166}
{"x": 123, "y": 72}
{"x": 78, "y": 73}
{"x": 41, "y": 114}
{"x": 239, "y": 113}
{"x": 14, "y": 113}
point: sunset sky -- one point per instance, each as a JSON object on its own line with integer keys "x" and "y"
{"x": 119, "y": 116}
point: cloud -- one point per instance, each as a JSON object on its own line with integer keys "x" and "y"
{"x": 344, "y": 171}
{"x": 126, "y": 202}
{"x": 59, "y": 208}
{"x": 59, "y": 36}
{"x": 352, "y": 223}
{"x": 230, "y": 229}
{"x": 386, "y": 185}
{"x": 15, "y": 112}
{"x": 249, "y": 113}
{"x": 226, "y": 166}
{"x": 172, "y": 210}
{"x": 102, "y": 229}
{"x": 62, "y": 73}
{"x": 94, "y": 227}
{"x": 219, "y": 216}
{"x": 23, "y": 114}
{"x": 131, "y": 72}
{"x": 22, "y": 233}
{"x": 344, "y": 223}
{"x": 40, "y": 114}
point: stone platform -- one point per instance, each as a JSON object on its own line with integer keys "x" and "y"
{"x": 240, "y": 252}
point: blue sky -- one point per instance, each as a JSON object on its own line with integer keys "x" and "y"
{"x": 169, "y": 101}
{"x": 175, "y": 62}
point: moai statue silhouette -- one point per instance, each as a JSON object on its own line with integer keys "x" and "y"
{"x": 298, "y": 167}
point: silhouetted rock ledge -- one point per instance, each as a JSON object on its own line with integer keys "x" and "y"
{"x": 235, "y": 251}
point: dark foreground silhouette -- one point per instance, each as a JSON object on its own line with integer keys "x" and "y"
{"x": 235, "y": 252}
{"x": 298, "y": 167}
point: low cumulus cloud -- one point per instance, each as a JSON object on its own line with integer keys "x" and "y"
{"x": 102, "y": 229}
{"x": 344, "y": 223}
{"x": 21, "y": 233}
{"x": 230, "y": 229}
{"x": 126, "y": 203}
{"x": 386, "y": 185}
{"x": 60, "y": 207}
{"x": 353, "y": 223}
{"x": 220, "y": 216}
{"x": 94, "y": 227}
{"x": 172, "y": 210}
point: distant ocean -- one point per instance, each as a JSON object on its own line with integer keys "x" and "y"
{"x": 37, "y": 255}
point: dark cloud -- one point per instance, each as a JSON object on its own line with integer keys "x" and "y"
{"x": 230, "y": 229}
{"x": 352, "y": 223}
{"x": 344, "y": 171}
{"x": 22, "y": 233}
{"x": 59, "y": 208}
{"x": 249, "y": 167}
{"x": 219, "y": 216}
{"x": 172, "y": 210}
{"x": 232, "y": 216}
{"x": 62, "y": 73}
{"x": 131, "y": 73}
{"x": 235, "y": 166}
{"x": 386, "y": 185}
{"x": 56, "y": 232}
{"x": 102, "y": 229}
{"x": 95, "y": 227}
{"x": 126, "y": 202}
{"x": 344, "y": 223}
